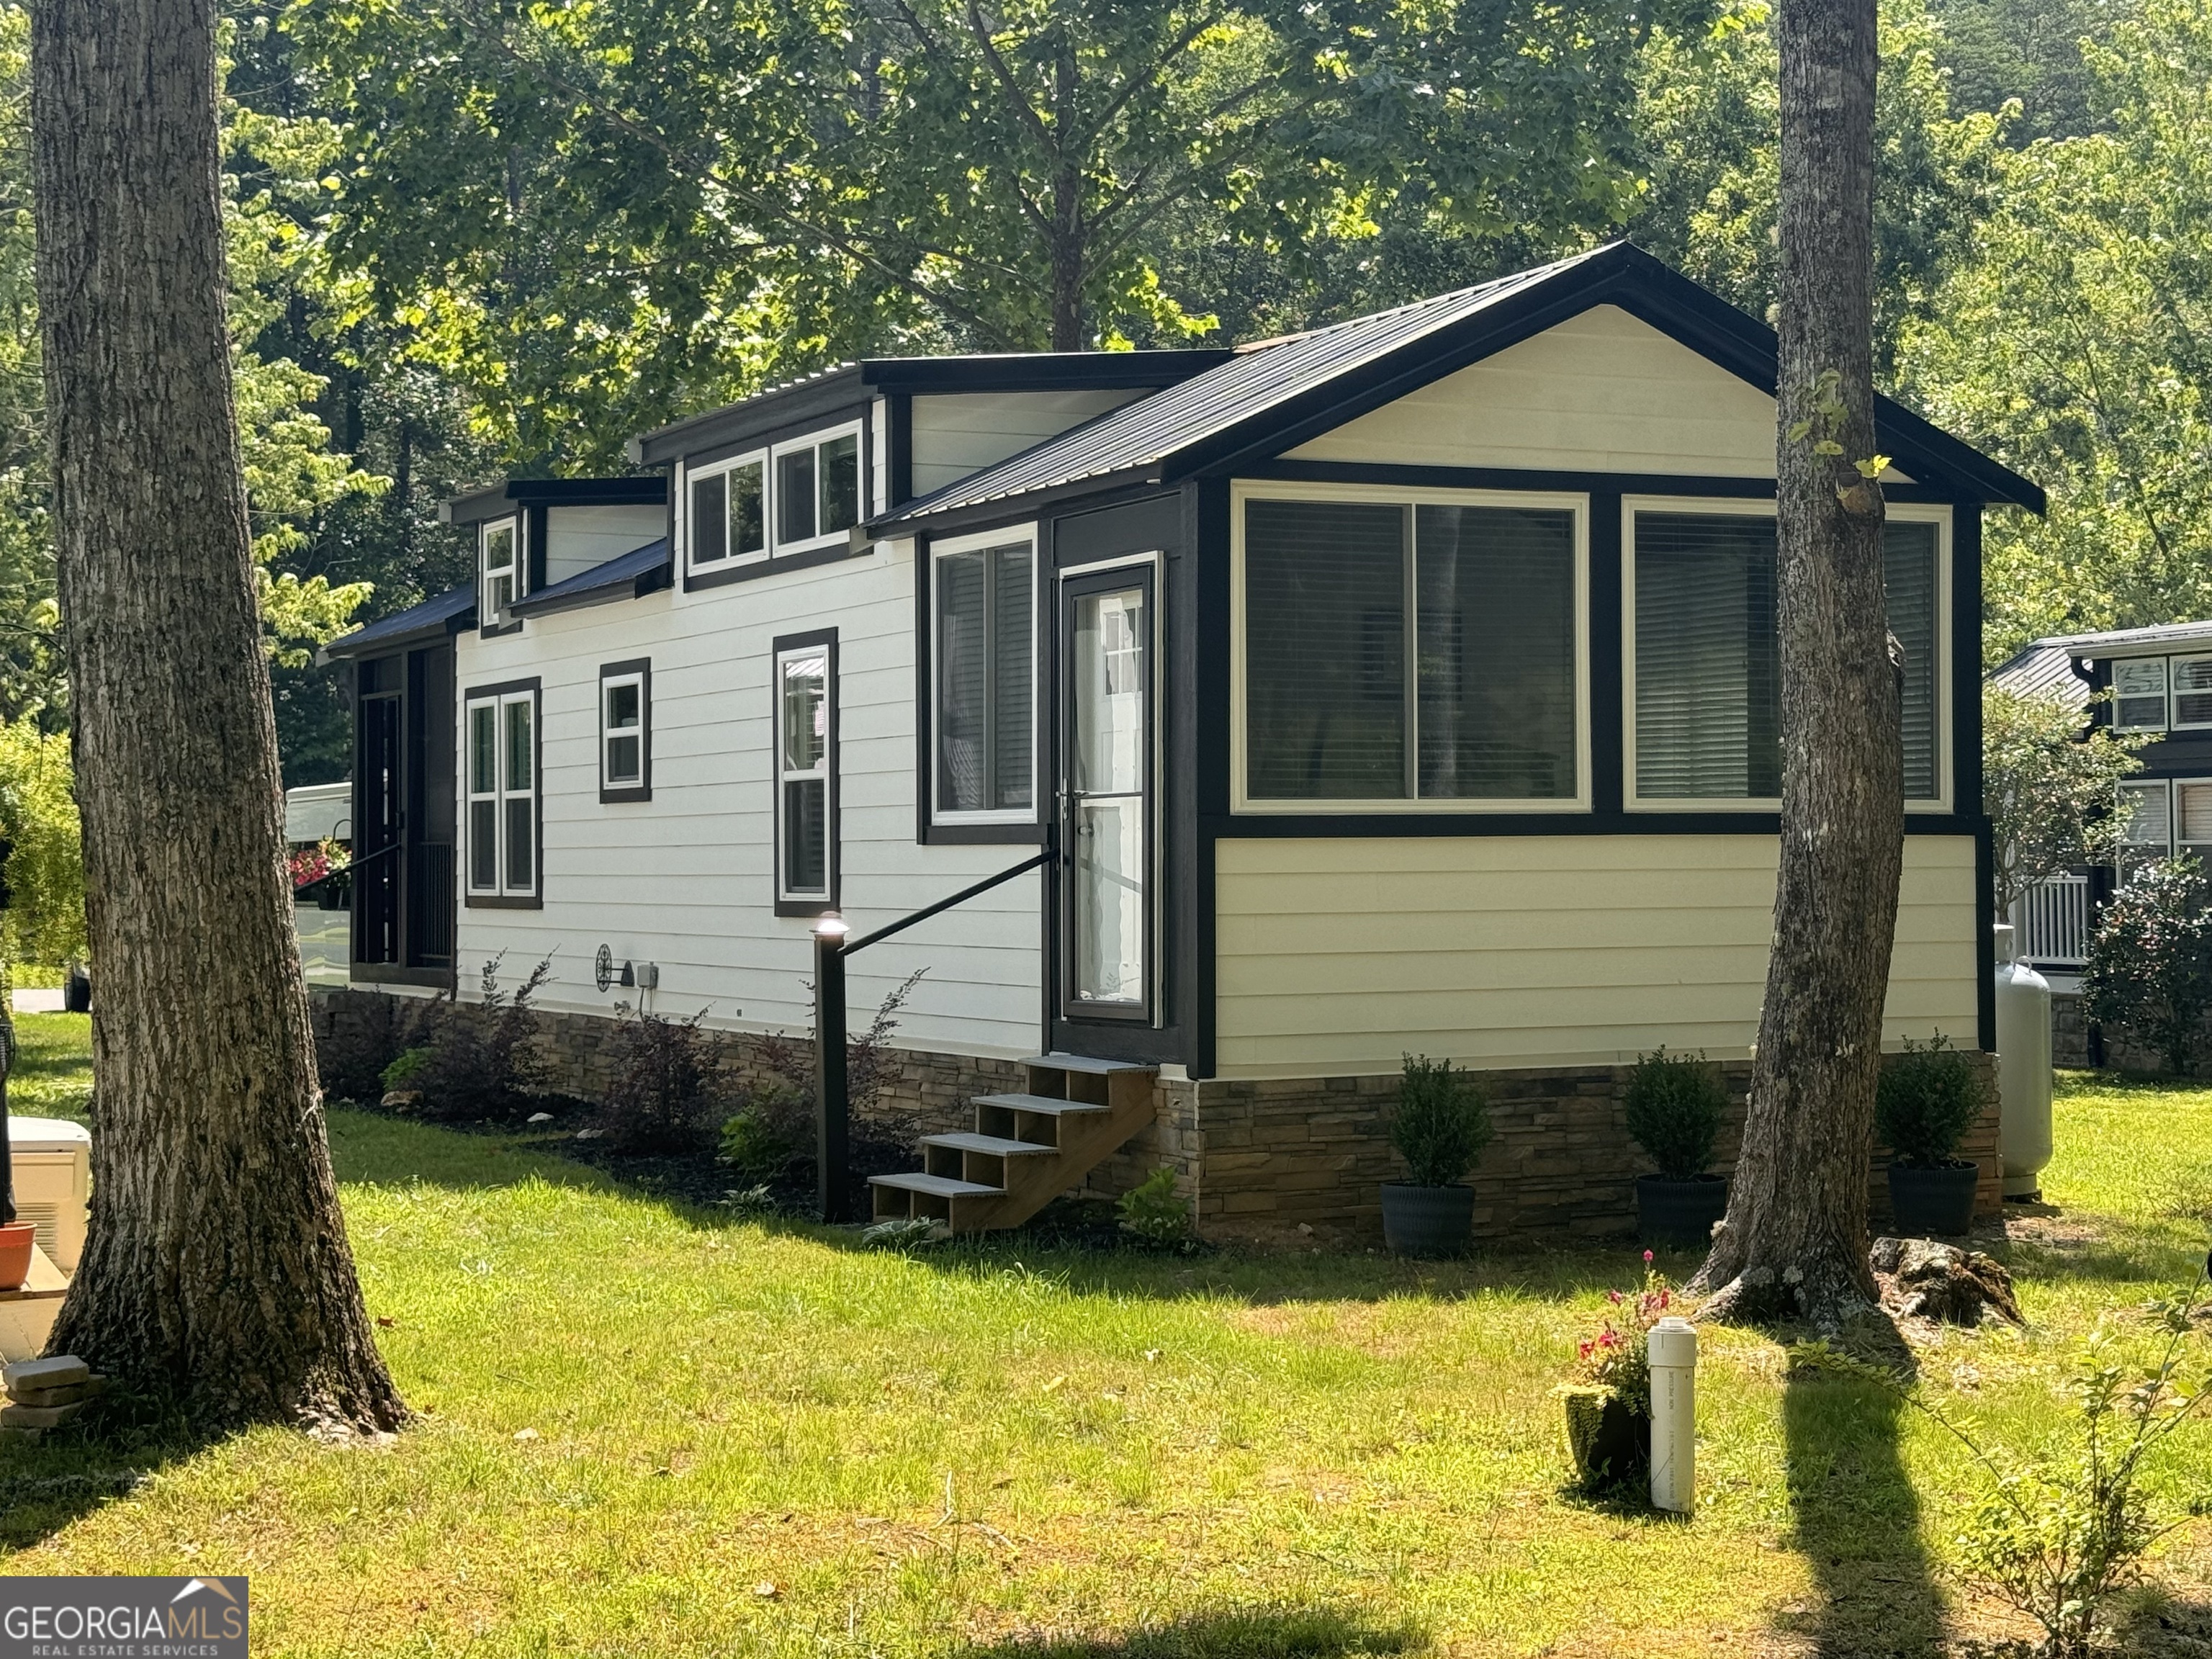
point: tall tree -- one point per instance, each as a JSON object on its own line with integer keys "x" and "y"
{"x": 1794, "y": 1242}
{"x": 218, "y": 1268}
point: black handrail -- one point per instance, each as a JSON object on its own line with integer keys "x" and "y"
{"x": 833, "y": 1105}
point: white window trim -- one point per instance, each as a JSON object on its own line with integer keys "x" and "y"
{"x": 2166, "y": 694}
{"x": 2174, "y": 694}
{"x": 1242, "y": 491}
{"x": 1764, "y": 507}
{"x": 826, "y": 770}
{"x": 691, "y": 474}
{"x": 517, "y": 569}
{"x": 1007, "y": 536}
{"x": 608, "y": 734}
{"x": 500, "y": 794}
{"x": 774, "y": 498}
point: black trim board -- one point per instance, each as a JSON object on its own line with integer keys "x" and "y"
{"x": 721, "y": 575}
{"x": 1386, "y": 476}
{"x": 1322, "y": 826}
{"x": 388, "y": 973}
{"x": 642, "y": 789}
{"x": 534, "y": 900}
{"x": 832, "y": 826}
{"x": 496, "y": 501}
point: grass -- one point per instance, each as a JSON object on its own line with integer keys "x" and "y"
{"x": 649, "y": 1429}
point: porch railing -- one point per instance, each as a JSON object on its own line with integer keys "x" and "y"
{"x": 2051, "y": 921}
{"x": 833, "y": 1105}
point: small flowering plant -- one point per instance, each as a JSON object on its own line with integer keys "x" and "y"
{"x": 314, "y": 862}
{"x": 1616, "y": 1358}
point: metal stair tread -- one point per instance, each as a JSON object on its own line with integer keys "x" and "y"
{"x": 1044, "y": 1105}
{"x": 913, "y": 1180}
{"x": 1084, "y": 1063}
{"x": 967, "y": 1140}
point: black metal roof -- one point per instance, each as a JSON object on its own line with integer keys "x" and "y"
{"x": 1273, "y": 395}
{"x": 629, "y": 575}
{"x": 494, "y": 500}
{"x": 433, "y": 619}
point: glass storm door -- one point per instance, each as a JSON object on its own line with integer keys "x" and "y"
{"x": 1107, "y": 650}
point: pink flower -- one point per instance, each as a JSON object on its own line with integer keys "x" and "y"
{"x": 1585, "y": 1349}
{"x": 1647, "y": 1258}
{"x": 1613, "y": 1296}
{"x": 1663, "y": 1299}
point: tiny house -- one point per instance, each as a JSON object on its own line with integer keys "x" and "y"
{"x": 1408, "y": 686}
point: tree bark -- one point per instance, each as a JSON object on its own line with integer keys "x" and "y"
{"x": 217, "y": 1271}
{"x": 1794, "y": 1243}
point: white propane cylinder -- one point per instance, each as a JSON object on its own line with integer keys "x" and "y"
{"x": 1671, "y": 1347}
{"x": 2023, "y": 1071}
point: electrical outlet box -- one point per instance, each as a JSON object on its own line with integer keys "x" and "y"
{"x": 648, "y": 976}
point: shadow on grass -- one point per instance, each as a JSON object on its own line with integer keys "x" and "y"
{"x": 117, "y": 1448}
{"x": 1234, "y": 1633}
{"x": 1857, "y": 1518}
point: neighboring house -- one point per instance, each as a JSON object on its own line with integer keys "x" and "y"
{"x": 1405, "y": 686}
{"x": 2159, "y": 680}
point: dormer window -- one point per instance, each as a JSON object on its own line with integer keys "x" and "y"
{"x": 728, "y": 517}
{"x": 500, "y": 543}
{"x": 818, "y": 489}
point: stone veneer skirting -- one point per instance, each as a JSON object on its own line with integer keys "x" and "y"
{"x": 1263, "y": 1159}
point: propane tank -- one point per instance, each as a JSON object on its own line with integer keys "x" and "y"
{"x": 1671, "y": 1347}
{"x": 2023, "y": 1071}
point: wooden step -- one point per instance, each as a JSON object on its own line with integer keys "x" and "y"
{"x": 1085, "y": 1064}
{"x": 1042, "y": 1105}
{"x": 990, "y": 1146}
{"x": 936, "y": 1186}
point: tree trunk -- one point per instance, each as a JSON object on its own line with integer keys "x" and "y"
{"x": 217, "y": 1271}
{"x": 1794, "y": 1243}
{"x": 1067, "y": 228}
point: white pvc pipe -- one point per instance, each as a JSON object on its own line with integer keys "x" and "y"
{"x": 1673, "y": 1349}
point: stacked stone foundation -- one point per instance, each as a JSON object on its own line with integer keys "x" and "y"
{"x": 1282, "y": 1160}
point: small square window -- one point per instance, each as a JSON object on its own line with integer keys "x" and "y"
{"x": 625, "y": 732}
{"x": 725, "y": 518}
{"x": 818, "y": 489}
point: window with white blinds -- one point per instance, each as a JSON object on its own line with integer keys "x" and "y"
{"x": 2192, "y": 691}
{"x": 2150, "y": 833}
{"x": 986, "y": 683}
{"x": 1396, "y": 651}
{"x": 1708, "y": 680}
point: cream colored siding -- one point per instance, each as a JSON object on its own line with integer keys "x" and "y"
{"x": 684, "y": 879}
{"x": 1339, "y": 956}
{"x": 579, "y": 537}
{"x": 1602, "y": 392}
{"x": 960, "y": 432}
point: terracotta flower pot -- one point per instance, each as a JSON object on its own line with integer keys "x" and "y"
{"x": 15, "y": 1253}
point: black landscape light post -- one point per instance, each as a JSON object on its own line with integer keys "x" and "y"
{"x": 832, "y": 1109}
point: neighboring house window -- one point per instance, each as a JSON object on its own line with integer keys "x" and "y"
{"x": 2192, "y": 691}
{"x": 984, "y": 591}
{"x": 818, "y": 489}
{"x": 502, "y": 778}
{"x": 501, "y": 552}
{"x": 1707, "y": 657}
{"x": 2168, "y": 816}
{"x": 1410, "y": 653}
{"x": 806, "y": 774}
{"x": 626, "y": 731}
{"x": 2139, "y": 694}
{"x": 725, "y": 516}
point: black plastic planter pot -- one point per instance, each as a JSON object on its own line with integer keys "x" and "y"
{"x": 1926, "y": 1203}
{"x": 1611, "y": 1444}
{"x": 1427, "y": 1220}
{"x": 1679, "y": 1212}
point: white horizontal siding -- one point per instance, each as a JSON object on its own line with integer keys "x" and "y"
{"x": 1338, "y": 956}
{"x": 579, "y": 537}
{"x": 685, "y": 880}
{"x": 1601, "y": 392}
{"x": 960, "y": 432}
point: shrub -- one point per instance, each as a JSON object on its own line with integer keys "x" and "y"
{"x": 1442, "y": 1123}
{"x": 2150, "y": 961}
{"x": 402, "y": 1071}
{"x": 661, "y": 1097}
{"x": 1154, "y": 1211}
{"x": 770, "y": 1130}
{"x": 1675, "y": 1106}
{"x": 352, "y": 1057}
{"x": 482, "y": 1063}
{"x": 1926, "y": 1100}
{"x": 870, "y": 1061}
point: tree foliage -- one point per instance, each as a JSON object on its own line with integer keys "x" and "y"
{"x": 2150, "y": 961}
{"x": 45, "y": 920}
{"x": 2050, "y": 785}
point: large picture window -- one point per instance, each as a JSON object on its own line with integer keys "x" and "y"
{"x": 806, "y": 774}
{"x": 1412, "y": 651}
{"x": 502, "y": 777}
{"x": 984, "y": 707}
{"x": 626, "y": 731}
{"x": 1707, "y": 693}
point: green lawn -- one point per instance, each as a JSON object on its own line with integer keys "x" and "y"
{"x": 740, "y": 1437}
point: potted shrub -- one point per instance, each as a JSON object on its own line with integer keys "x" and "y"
{"x": 1929, "y": 1096}
{"x": 1608, "y": 1405}
{"x": 1674, "y": 1105}
{"x": 1440, "y": 1128}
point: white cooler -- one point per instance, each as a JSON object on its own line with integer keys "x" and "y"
{"x": 53, "y": 1182}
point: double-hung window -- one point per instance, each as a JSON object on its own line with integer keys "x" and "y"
{"x": 626, "y": 731}
{"x": 1706, "y": 693}
{"x": 1411, "y": 650}
{"x": 2166, "y": 816}
{"x": 2192, "y": 692}
{"x": 2139, "y": 694}
{"x": 726, "y": 511}
{"x": 499, "y": 554}
{"x": 818, "y": 489}
{"x": 806, "y": 773}
{"x": 984, "y": 592}
{"x": 502, "y": 777}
